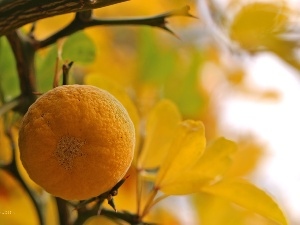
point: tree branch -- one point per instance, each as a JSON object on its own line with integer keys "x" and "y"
{"x": 12, "y": 168}
{"x": 7, "y": 106}
{"x": 63, "y": 211}
{"x": 83, "y": 20}
{"x": 16, "y": 13}
{"x": 24, "y": 55}
{"x": 24, "y": 52}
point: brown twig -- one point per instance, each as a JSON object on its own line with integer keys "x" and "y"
{"x": 13, "y": 170}
{"x": 24, "y": 53}
{"x": 63, "y": 211}
{"x": 66, "y": 69}
{"x": 84, "y": 213}
{"x": 8, "y": 106}
{"x": 24, "y": 47}
{"x": 16, "y": 13}
{"x": 81, "y": 22}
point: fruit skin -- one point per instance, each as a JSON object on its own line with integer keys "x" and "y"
{"x": 76, "y": 141}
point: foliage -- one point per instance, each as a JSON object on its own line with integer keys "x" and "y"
{"x": 160, "y": 81}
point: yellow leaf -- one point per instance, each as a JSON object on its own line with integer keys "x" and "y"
{"x": 257, "y": 24}
{"x": 187, "y": 182}
{"x": 211, "y": 165}
{"x": 248, "y": 196}
{"x": 236, "y": 77}
{"x": 5, "y": 153}
{"x": 160, "y": 129}
{"x": 216, "y": 159}
{"x": 185, "y": 150}
{"x": 214, "y": 210}
{"x": 245, "y": 160}
{"x": 15, "y": 204}
{"x": 163, "y": 216}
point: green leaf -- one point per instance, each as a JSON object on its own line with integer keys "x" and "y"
{"x": 9, "y": 82}
{"x": 79, "y": 48}
{"x": 188, "y": 94}
{"x": 248, "y": 196}
{"x": 157, "y": 62}
{"x": 177, "y": 73}
{"x": 45, "y": 64}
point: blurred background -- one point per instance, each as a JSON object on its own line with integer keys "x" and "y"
{"x": 235, "y": 67}
{"x": 266, "y": 108}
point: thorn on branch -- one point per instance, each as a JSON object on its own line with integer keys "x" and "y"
{"x": 84, "y": 15}
{"x": 184, "y": 11}
{"x": 100, "y": 199}
{"x": 111, "y": 202}
{"x": 84, "y": 20}
{"x": 114, "y": 192}
{"x": 31, "y": 31}
{"x": 66, "y": 69}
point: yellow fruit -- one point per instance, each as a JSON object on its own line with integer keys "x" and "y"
{"x": 76, "y": 141}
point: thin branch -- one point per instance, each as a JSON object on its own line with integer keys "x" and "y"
{"x": 63, "y": 211}
{"x": 84, "y": 213}
{"x": 139, "y": 191}
{"x": 66, "y": 69}
{"x": 24, "y": 52}
{"x": 16, "y": 13}
{"x": 13, "y": 169}
{"x": 24, "y": 55}
{"x": 9, "y": 105}
{"x": 158, "y": 199}
{"x": 79, "y": 23}
{"x": 149, "y": 203}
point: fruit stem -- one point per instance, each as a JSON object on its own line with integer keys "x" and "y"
{"x": 139, "y": 189}
{"x": 150, "y": 202}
